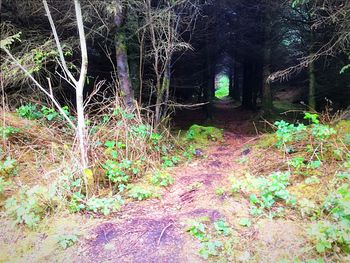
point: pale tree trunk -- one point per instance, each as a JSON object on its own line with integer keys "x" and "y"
{"x": 77, "y": 84}
{"x": 82, "y": 133}
{"x": 123, "y": 71}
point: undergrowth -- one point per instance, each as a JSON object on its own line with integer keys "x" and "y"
{"x": 123, "y": 148}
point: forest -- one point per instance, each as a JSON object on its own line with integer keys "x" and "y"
{"x": 175, "y": 131}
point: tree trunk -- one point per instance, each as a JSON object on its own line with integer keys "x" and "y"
{"x": 163, "y": 91}
{"x": 312, "y": 86}
{"x": 247, "y": 93}
{"x": 82, "y": 133}
{"x": 122, "y": 60}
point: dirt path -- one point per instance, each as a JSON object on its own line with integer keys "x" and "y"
{"x": 154, "y": 230}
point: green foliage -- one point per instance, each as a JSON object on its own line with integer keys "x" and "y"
{"x": 104, "y": 206}
{"x": 139, "y": 193}
{"x": 161, "y": 179}
{"x": 76, "y": 202}
{"x": 297, "y": 163}
{"x": 49, "y": 113}
{"x": 8, "y": 131}
{"x": 271, "y": 189}
{"x": 3, "y": 185}
{"x": 220, "y": 191}
{"x": 210, "y": 248}
{"x": 8, "y": 167}
{"x": 31, "y": 205}
{"x": 7, "y": 42}
{"x": 334, "y": 232}
{"x": 245, "y": 222}
{"x": 40, "y": 57}
{"x": 29, "y": 111}
{"x": 170, "y": 162}
{"x": 222, "y": 227}
{"x": 200, "y": 231}
{"x": 66, "y": 241}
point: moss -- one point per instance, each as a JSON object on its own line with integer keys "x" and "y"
{"x": 267, "y": 140}
{"x": 343, "y": 130}
{"x": 201, "y": 135}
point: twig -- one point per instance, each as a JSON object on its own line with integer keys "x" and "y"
{"x": 161, "y": 235}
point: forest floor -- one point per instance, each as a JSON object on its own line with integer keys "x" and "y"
{"x": 157, "y": 230}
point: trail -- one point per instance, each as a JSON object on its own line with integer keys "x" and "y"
{"x": 154, "y": 230}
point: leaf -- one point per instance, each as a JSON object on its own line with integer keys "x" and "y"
{"x": 245, "y": 222}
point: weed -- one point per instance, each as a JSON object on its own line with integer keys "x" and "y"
{"x": 66, "y": 241}
{"x": 8, "y": 131}
{"x": 220, "y": 191}
{"x": 271, "y": 190}
{"x": 209, "y": 248}
{"x": 8, "y": 167}
{"x": 139, "y": 193}
{"x": 161, "y": 179}
{"x": 29, "y": 111}
{"x": 104, "y": 205}
{"x": 198, "y": 230}
{"x": 334, "y": 232}
{"x": 222, "y": 227}
{"x": 245, "y": 222}
{"x": 3, "y": 185}
{"x": 31, "y": 205}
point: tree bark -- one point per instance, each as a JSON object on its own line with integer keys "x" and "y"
{"x": 122, "y": 60}
{"x": 82, "y": 134}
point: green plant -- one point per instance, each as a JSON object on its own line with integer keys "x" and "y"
{"x": 161, "y": 179}
{"x": 198, "y": 230}
{"x": 222, "y": 227}
{"x": 220, "y": 191}
{"x": 8, "y": 167}
{"x": 139, "y": 193}
{"x": 170, "y": 162}
{"x": 3, "y": 185}
{"x": 297, "y": 163}
{"x": 31, "y": 205}
{"x": 29, "y": 111}
{"x": 271, "y": 190}
{"x": 210, "y": 248}
{"x": 334, "y": 232}
{"x": 245, "y": 222}
{"x": 66, "y": 241}
{"x": 76, "y": 202}
{"x": 49, "y": 113}
{"x": 8, "y": 131}
{"x": 104, "y": 205}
